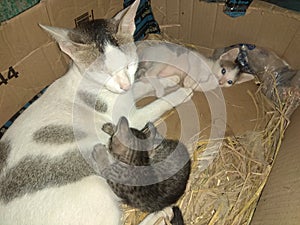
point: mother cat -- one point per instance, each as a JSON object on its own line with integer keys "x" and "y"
{"x": 43, "y": 177}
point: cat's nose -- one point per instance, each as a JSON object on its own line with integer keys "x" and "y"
{"x": 125, "y": 86}
{"x": 123, "y": 81}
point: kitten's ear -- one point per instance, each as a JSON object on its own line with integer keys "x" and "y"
{"x": 109, "y": 128}
{"x": 244, "y": 77}
{"x": 230, "y": 55}
{"x": 122, "y": 126}
{"x": 125, "y": 19}
{"x": 150, "y": 130}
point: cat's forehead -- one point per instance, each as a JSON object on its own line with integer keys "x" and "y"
{"x": 99, "y": 32}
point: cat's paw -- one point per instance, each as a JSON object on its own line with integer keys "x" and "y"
{"x": 179, "y": 96}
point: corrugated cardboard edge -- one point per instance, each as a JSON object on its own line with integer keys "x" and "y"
{"x": 280, "y": 200}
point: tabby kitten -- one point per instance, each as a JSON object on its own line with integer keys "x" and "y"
{"x": 145, "y": 170}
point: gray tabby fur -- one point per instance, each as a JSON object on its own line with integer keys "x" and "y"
{"x": 146, "y": 147}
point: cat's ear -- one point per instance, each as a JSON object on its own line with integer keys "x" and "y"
{"x": 230, "y": 55}
{"x": 62, "y": 37}
{"x": 125, "y": 19}
{"x": 244, "y": 77}
{"x": 150, "y": 130}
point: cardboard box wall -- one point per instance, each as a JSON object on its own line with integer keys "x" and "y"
{"x": 32, "y": 53}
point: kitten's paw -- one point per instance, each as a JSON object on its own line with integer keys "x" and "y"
{"x": 189, "y": 82}
{"x": 211, "y": 84}
{"x": 166, "y": 82}
{"x": 163, "y": 82}
{"x": 170, "y": 81}
{"x": 179, "y": 96}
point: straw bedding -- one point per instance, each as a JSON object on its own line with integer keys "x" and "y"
{"x": 228, "y": 190}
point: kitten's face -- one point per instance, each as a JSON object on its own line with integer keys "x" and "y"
{"x": 225, "y": 69}
{"x": 103, "y": 49}
{"x": 226, "y": 72}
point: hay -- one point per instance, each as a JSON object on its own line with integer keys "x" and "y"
{"x": 228, "y": 190}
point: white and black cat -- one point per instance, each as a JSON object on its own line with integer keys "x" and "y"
{"x": 44, "y": 178}
{"x": 146, "y": 170}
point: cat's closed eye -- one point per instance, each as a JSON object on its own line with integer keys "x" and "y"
{"x": 131, "y": 68}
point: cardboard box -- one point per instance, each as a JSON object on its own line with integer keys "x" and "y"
{"x": 37, "y": 60}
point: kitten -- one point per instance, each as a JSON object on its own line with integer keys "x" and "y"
{"x": 163, "y": 59}
{"x": 130, "y": 149}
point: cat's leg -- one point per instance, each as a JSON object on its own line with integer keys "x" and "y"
{"x": 158, "y": 218}
{"x": 151, "y": 112}
{"x": 150, "y": 84}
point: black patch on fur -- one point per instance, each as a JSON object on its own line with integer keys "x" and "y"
{"x": 98, "y": 104}
{"x": 35, "y": 173}
{"x": 4, "y": 151}
{"x": 100, "y": 32}
{"x": 57, "y": 134}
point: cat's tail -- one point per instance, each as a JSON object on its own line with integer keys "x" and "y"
{"x": 178, "y": 218}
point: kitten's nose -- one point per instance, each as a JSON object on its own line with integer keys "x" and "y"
{"x": 222, "y": 81}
